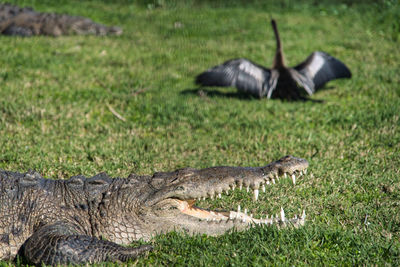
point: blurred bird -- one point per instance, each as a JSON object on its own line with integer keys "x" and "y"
{"x": 279, "y": 81}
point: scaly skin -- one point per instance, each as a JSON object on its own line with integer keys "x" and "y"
{"x": 27, "y": 22}
{"x": 68, "y": 221}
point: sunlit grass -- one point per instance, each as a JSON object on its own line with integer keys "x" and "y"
{"x": 55, "y": 117}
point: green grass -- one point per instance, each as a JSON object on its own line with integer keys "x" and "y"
{"x": 55, "y": 95}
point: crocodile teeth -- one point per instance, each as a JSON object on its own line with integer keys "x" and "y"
{"x": 256, "y": 194}
{"x": 305, "y": 171}
{"x": 282, "y": 215}
{"x": 245, "y": 211}
{"x": 294, "y": 178}
{"x": 268, "y": 182}
{"x": 263, "y": 188}
{"x": 219, "y": 195}
{"x": 284, "y": 175}
{"x": 273, "y": 181}
{"x": 247, "y": 189}
{"x": 240, "y": 187}
{"x": 238, "y": 209}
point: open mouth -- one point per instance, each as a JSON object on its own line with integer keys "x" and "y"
{"x": 187, "y": 206}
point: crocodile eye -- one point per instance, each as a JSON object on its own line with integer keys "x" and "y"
{"x": 29, "y": 180}
{"x": 180, "y": 188}
{"x": 168, "y": 207}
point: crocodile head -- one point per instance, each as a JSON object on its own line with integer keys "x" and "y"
{"x": 172, "y": 205}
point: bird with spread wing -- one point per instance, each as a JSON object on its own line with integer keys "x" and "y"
{"x": 279, "y": 81}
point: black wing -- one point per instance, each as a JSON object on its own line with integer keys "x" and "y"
{"x": 240, "y": 73}
{"x": 320, "y": 67}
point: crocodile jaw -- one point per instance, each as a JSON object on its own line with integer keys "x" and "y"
{"x": 172, "y": 207}
{"x": 179, "y": 213}
{"x": 244, "y": 218}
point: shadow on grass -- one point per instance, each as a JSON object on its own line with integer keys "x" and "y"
{"x": 204, "y": 93}
{"x": 201, "y": 92}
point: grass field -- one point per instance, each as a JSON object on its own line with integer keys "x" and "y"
{"x": 56, "y": 97}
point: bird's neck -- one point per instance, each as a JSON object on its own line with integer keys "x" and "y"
{"x": 279, "y": 60}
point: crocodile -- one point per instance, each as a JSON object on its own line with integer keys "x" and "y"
{"x": 24, "y": 21}
{"x": 89, "y": 220}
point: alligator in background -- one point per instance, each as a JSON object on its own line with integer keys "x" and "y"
{"x": 25, "y": 21}
{"x": 87, "y": 220}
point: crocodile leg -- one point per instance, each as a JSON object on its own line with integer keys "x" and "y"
{"x": 59, "y": 243}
